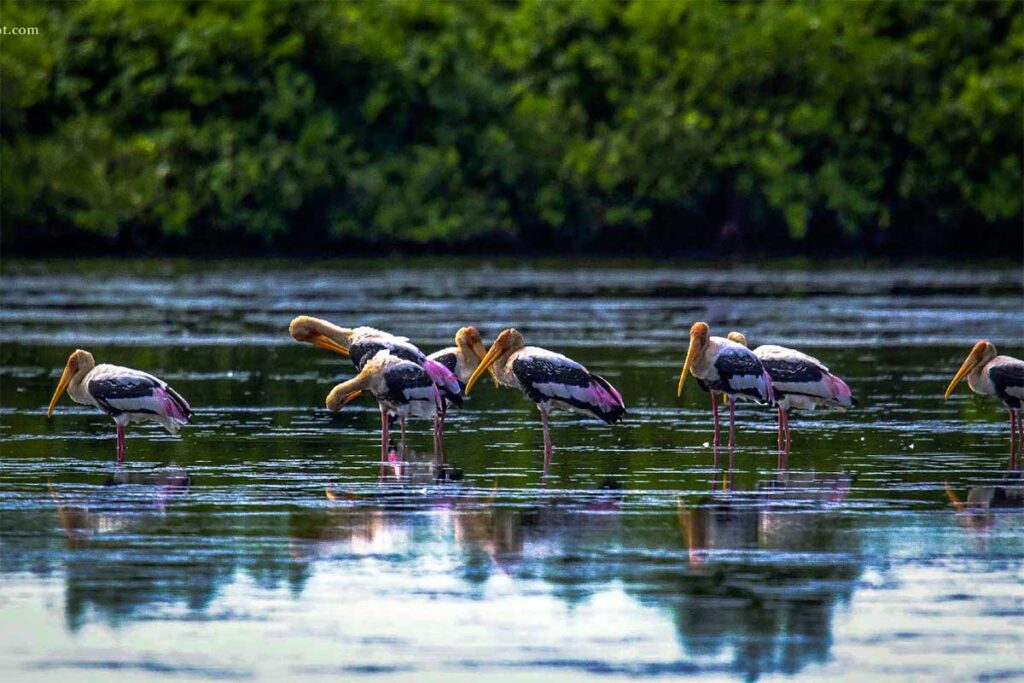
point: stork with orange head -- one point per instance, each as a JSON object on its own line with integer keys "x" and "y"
{"x": 990, "y": 374}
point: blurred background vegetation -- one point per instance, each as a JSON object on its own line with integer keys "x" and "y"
{"x": 541, "y": 126}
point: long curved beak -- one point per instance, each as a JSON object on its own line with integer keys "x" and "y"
{"x": 65, "y": 379}
{"x": 969, "y": 364}
{"x": 325, "y": 342}
{"x": 691, "y": 355}
{"x": 485, "y": 364}
{"x": 481, "y": 351}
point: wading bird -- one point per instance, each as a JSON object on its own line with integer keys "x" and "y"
{"x": 462, "y": 359}
{"x": 990, "y": 374}
{"x": 122, "y": 393}
{"x": 401, "y": 387}
{"x": 361, "y": 344}
{"x": 548, "y": 379}
{"x": 722, "y": 366}
{"x": 798, "y": 381}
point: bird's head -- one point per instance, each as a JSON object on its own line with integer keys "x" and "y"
{"x": 507, "y": 342}
{"x": 340, "y": 396}
{"x": 469, "y": 340}
{"x": 471, "y": 344}
{"x": 699, "y": 334}
{"x": 320, "y": 333}
{"x": 78, "y": 362}
{"x": 982, "y": 353}
{"x": 737, "y": 337}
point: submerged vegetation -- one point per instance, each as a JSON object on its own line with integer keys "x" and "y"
{"x": 543, "y": 125}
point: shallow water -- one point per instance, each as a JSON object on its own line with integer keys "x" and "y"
{"x": 268, "y": 542}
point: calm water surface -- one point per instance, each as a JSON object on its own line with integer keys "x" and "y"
{"x": 267, "y": 542}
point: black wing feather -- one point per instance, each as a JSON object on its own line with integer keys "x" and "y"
{"x": 364, "y": 350}
{"x": 791, "y": 370}
{"x": 532, "y": 371}
{"x": 404, "y": 377}
{"x": 1005, "y": 376}
{"x": 447, "y": 359}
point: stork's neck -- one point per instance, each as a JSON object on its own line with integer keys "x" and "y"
{"x": 503, "y": 370}
{"x": 343, "y": 335}
{"x": 702, "y": 363}
{"x": 466, "y": 362}
{"x": 77, "y": 389}
{"x": 979, "y": 381}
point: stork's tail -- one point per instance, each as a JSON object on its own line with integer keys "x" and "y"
{"x": 769, "y": 387}
{"x": 445, "y": 380}
{"x": 605, "y": 400}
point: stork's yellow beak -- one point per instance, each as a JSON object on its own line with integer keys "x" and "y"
{"x": 481, "y": 351}
{"x": 973, "y": 358}
{"x": 691, "y": 355}
{"x": 325, "y": 342}
{"x": 65, "y": 379}
{"x": 488, "y": 360}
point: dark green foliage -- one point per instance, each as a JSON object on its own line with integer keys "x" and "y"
{"x": 647, "y": 125}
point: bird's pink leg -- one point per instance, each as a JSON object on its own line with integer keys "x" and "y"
{"x": 714, "y": 414}
{"x": 383, "y": 434}
{"x": 1015, "y": 447}
{"x": 1013, "y": 434}
{"x": 732, "y": 422}
{"x": 440, "y": 434}
{"x": 122, "y": 447}
{"x": 779, "y": 440}
{"x": 788, "y": 437}
{"x": 547, "y": 440}
{"x": 401, "y": 421}
{"x": 1020, "y": 438}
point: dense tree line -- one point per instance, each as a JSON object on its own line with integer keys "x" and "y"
{"x": 586, "y": 125}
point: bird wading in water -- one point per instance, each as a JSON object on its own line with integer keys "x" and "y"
{"x": 990, "y": 374}
{"x": 722, "y": 366}
{"x": 124, "y": 394}
{"x": 550, "y": 380}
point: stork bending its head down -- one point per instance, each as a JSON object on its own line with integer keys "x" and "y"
{"x": 721, "y": 366}
{"x": 548, "y": 379}
{"x": 124, "y": 394}
{"x": 361, "y": 344}
{"x": 401, "y": 387}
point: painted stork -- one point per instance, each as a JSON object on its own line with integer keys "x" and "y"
{"x": 361, "y": 344}
{"x": 548, "y": 379}
{"x": 124, "y": 394}
{"x": 990, "y": 374}
{"x": 722, "y": 366}
{"x": 798, "y": 381}
{"x": 401, "y": 387}
{"x": 462, "y": 359}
